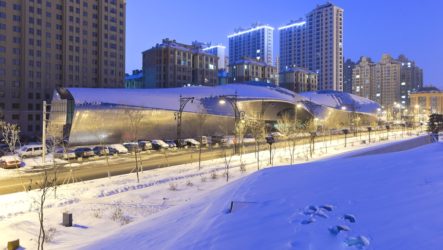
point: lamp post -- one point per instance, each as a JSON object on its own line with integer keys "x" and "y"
{"x": 232, "y": 100}
{"x": 178, "y": 116}
{"x": 298, "y": 106}
{"x": 369, "y": 132}
{"x": 345, "y": 131}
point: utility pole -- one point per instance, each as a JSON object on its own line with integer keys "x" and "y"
{"x": 45, "y": 105}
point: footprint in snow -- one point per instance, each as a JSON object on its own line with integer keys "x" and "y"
{"x": 328, "y": 208}
{"x": 307, "y": 221}
{"x": 337, "y": 229}
{"x": 349, "y": 217}
{"x": 358, "y": 242}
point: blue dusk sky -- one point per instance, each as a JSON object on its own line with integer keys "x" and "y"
{"x": 371, "y": 27}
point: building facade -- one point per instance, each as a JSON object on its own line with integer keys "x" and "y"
{"x": 411, "y": 78}
{"x": 49, "y": 44}
{"x": 134, "y": 81}
{"x": 386, "y": 87}
{"x": 250, "y": 70}
{"x": 298, "y": 80}
{"x": 97, "y": 116}
{"x": 316, "y": 44}
{"x": 347, "y": 75}
{"x": 172, "y": 64}
{"x": 426, "y": 101}
{"x": 292, "y": 45}
{"x": 220, "y": 52}
{"x": 363, "y": 78}
{"x": 256, "y": 42}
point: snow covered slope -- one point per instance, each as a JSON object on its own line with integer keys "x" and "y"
{"x": 387, "y": 201}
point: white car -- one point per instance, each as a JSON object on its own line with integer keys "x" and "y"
{"x": 65, "y": 154}
{"x": 159, "y": 144}
{"x": 192, "y": 142}
{"x": 30, "y": 150}
{"x": 119, "y": 148}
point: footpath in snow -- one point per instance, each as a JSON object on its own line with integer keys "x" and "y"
{"x": 103, "y": 207}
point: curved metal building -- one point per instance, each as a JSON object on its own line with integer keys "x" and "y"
{"x": 93, "y": 116}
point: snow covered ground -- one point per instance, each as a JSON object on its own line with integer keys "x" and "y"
{"x": 386, "y": 201}
{"x": 193, "y": 201}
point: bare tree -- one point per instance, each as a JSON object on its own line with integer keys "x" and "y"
{"x": 240, "y": 130}
{"x": 135, "y": 121}
{"x": 45, "y": 184}
{"x": 11, "y": 135}
{"x": 201, "y": 119}
{"x": 258, "y": 132}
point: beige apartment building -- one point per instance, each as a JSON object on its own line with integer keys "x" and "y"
{"x": 362, "y": 78}
{"x": 172, "y": 64}
{"x": 298, "y": 80}
{"x": 46, "y": 44}
{"x": 386, "y": 87}
{"x": 251, "y": 70}
{"x": 379, "y": 82}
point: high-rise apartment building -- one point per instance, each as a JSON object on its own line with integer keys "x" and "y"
{"x": 292, "y": 45}
{"x": 316, "y": 44}
{"x": 172, "y": 64}
{"x": 411, "y": 78}
{"x": 386, "y": 86}
{"x": 256, "y": 42}
{"x": 347, "y": 75}
{"x": 363, "y": 78}
{"x": 47, "y": 44}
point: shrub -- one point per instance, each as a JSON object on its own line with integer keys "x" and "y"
{"x": 173, "y": 186}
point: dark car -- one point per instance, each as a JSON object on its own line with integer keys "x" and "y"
{"x": 180, "y": 143}
{"x": 101, "y": 150}
{"x": 132, "y": 147}
{"x": 145, "y": 145}
{"x": 113, "y": 151}
{"x": 84, "y": 152}
{"x": 171, "y": 143}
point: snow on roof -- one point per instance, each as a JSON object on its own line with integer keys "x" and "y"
{"x": 337, "y": 100}
{"x": 168, "y": 98}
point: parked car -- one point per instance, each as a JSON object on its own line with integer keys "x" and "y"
{"x": 145, "y": 145}
{"x": 159, "y": 144}
{"x": 10, "y": 161}
{"x": 119, "y": 148}
{"x": 171, "y": 143}
{"x": 30, "y": 150}
{"x": 248, "y": 140}
{"x": 192, "y": 142}
{"x": 132, "y": 147}
{"x": 112, "y": 151}
{"x": 65, "y": 154}
{"x": 84, "y": 152}
{"x": 180, "y": 143}
{"x": 227, "y": 140}
{"x": 205, "y": 141}
{"x": 101, "y": 150}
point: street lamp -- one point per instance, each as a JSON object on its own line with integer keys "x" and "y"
{"x": 298, "y": 106}
{"x": 178, "y": 116}
{"x": 232, "y": 100}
